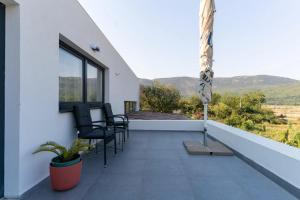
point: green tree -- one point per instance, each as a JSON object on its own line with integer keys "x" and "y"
{"x": 143, "y": 100}
{"x": 216, "y": 98}
{"x": 221, "y": 111}
{"x": 197, "y": 107}
{"x": 243, "y": 111}
{"x": 160, "y": 98}
{"x": 191, "y": 105}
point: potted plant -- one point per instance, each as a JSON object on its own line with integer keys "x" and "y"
{"x": 65, "y": 168}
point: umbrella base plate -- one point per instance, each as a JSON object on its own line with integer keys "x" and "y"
{"x": 213, "y": 148}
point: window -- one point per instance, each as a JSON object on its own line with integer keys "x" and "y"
{"x": 80, "y": 80}
{"x": 129, "y": 106}
{"x": 94, "y": 84}
{"x": 70, "y": 77}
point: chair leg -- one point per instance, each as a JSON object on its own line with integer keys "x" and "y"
{"x": 122, "y": 141}
{"x": 127, "y": 129}
{"x": 115, "y": 142}
{"x": 105, "y": 161}
{"x": 124, "y": 136}
{"x": 90, "y": 141}
{"x": 96, "y": 147}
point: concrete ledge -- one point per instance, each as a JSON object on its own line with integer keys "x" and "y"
{"x": 166, "y": 125}
{"x": 280, "y": 159}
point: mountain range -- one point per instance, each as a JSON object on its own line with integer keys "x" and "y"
{"x": 278, "y": 90}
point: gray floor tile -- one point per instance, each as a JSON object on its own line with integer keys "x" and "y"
{"x": 162, "y": 154}
{"x": 260, "y": 187}
{"x": 166, "y": 187}
{"x": 99, "y": 192}
{"x": 219, "y": 189}
{"x": 155, "y": 165}
{"x": 126, "y": 167}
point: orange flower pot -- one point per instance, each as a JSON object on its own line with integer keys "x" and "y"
{"x": 67, "y": 177}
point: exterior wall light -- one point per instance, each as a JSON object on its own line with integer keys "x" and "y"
{"x": 95, "y": 48}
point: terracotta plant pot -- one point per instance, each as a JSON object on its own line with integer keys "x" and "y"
{"x": 66, "y": 175}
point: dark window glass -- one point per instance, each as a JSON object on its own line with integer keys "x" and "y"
{"x": 129, "y": 106}
{"x": 80, "y": 80}
{"x": 94, "y": 84}
{"x": 70, "y": 77}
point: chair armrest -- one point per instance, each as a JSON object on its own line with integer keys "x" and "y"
{"x": 119, "y": 117}
{"x": 97, "y": 126}
{"x": 122, "y": 115}
{"x": 99, "y": 121}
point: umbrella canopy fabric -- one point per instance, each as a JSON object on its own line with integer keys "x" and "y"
{"x": 207, "y": 10}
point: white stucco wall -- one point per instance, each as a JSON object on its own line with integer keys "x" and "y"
{"x": 166, "y": 125}
{"x": 35, "y": 72}
{"x": 279, "y": 158}
{"x": 12, "y": 101}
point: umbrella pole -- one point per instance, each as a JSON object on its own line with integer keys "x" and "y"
{"x": 205, "y": 124}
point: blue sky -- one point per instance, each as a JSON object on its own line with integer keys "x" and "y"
{"x": 160, "y": 38}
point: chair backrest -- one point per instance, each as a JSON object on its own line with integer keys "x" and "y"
{"x": 83, "y": 118}
{"x": 109, "y": 116}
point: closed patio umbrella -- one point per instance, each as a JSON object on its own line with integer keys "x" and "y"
{"x": 207, "y": 10}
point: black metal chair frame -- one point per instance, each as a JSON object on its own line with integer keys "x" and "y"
{"x": 107, "y": 135}
{"x": 118, "y": 127}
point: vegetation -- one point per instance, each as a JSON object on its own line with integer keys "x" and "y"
{"x": 160, "y": 98}
{"x": 277, "y": 90}
{"x": 191, "y": 107}
{"x": 246, "y": 111}
{"x": 65, "y": 154}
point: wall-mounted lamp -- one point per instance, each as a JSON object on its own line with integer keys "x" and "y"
{"x": 95, "y": 48}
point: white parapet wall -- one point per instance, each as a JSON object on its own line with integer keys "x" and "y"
{"x": 278, "y": 158}
{"x": 166, "y": 125}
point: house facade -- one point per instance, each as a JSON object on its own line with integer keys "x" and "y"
{"x": 52, "y": 56}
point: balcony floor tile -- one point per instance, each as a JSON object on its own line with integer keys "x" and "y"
{"x": 155, "y": 165}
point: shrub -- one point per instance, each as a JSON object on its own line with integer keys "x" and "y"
{"x": 285, "y": 137}
{"x": 197, "y": 115}
{"x": 248, "y": 125}
{"x": 160, "y": 98}
{"x": 216, "y": 98}
{"x": 244, "y": 111}
{"x": 296, "y": 140}
{"x": 234, "y": 120}
{"x": 221, "y": 111}
{"x": 191, "y": 106}
{"x": 264, "y": 128}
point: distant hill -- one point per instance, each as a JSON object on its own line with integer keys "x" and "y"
{"x": 278, "y": 90}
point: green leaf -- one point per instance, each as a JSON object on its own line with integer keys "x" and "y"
{"x": 66, "y": 154}
{"x": 47, "y": 149}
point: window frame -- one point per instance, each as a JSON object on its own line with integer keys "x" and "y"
{"x": 68, "y": 106}
{"x": 131, "y": 106}
{"x": 96, "y": 103}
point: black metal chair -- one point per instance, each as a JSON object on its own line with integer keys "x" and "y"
{"x": 88, "y": 129}
{"x": 118, "y": 125}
